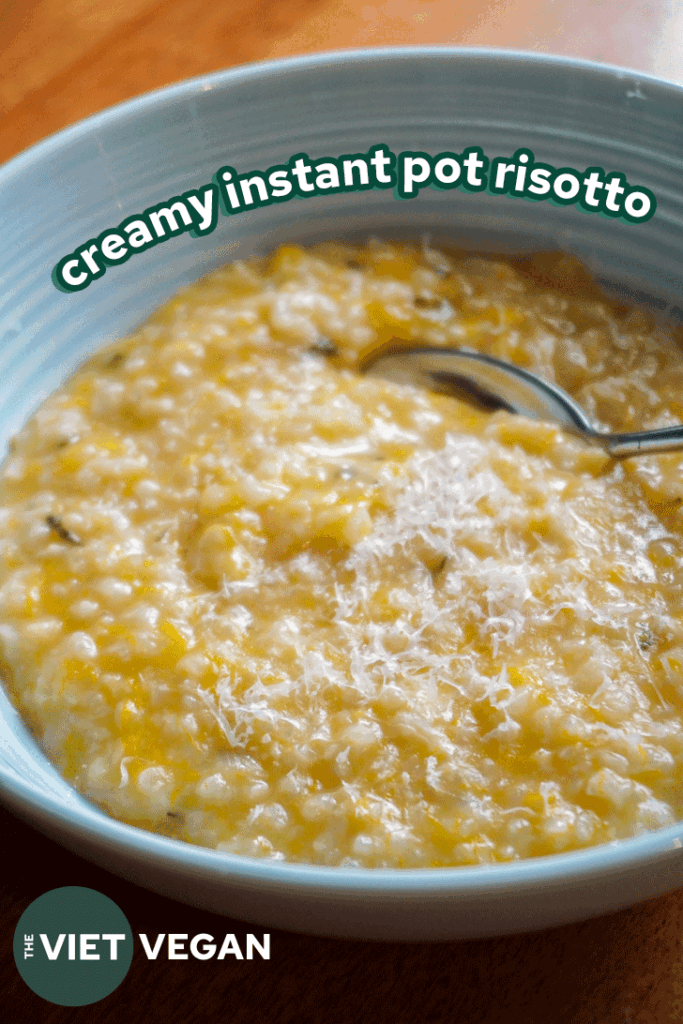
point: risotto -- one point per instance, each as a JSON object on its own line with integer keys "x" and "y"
{"x": 254, "y": 600}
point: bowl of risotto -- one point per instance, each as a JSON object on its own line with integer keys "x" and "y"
{"x": 300, "y": 645}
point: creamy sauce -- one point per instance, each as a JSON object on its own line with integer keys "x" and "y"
{"x": 256, "y": 601}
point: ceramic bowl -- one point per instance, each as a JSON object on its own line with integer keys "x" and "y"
{"x": 89, "y": 178}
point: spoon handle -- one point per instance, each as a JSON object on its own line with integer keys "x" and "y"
{"x": 643, "y": 442}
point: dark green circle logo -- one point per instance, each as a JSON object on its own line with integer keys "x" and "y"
{"x": 73, "y": 946}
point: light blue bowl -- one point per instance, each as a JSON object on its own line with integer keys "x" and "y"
{"x": 75, "y": 185}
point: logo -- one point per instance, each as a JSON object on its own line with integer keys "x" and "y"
{"x": 73, "y": 946}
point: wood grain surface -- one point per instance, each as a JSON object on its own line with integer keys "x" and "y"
{"x": 62, "y": 61}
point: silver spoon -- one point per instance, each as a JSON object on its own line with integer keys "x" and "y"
{"x": 493, "y": 384}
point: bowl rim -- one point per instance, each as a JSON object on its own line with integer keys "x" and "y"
{"x": 190, "y": 87}
{"x": 94, "y": 826}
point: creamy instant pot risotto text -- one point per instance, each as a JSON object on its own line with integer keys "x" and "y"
{"x": 255, "y": 600}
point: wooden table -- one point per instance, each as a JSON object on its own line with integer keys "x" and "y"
{"x": 64, "y": 60}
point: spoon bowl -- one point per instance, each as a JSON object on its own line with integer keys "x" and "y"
{"x": 491, "y": 384}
